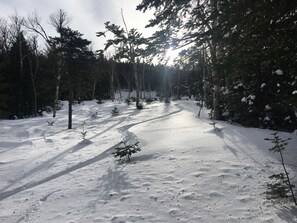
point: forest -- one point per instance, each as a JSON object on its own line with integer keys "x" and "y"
{"x": 237, "y": 58}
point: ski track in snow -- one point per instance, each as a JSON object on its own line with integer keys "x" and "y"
{"x": 216, "y": 176}
{"x": 46, "y": 165}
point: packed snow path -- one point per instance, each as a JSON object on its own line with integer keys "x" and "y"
{"x": 185, "y": 172}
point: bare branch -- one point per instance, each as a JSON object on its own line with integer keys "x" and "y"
{"x": 60, "y": 19}
{"x": 33, "y": 23}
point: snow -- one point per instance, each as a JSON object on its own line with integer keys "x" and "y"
{"x": 279, "y": 72}
{"x": 244, "y": 100}
{"x": 187, "y": 171}
{"x": 252, "y": 97}
{"x": 294, "y": 92}
{"x": 263, "y": 85}
{"x": 267, "y": 107}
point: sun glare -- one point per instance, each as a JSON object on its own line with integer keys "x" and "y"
{"x": 171, "y": 55}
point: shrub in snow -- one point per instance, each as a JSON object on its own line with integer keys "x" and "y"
{"x": 115, "y": 111}
{"x": 215, "y": 129}
{"x": 281, "y": 186}
{"x": 125, "y": 151}
{"x": 167, "y": 101}
{"x": 185, "y": 98}
{"x": 100, "y": 101}
{"x": 94, "y": 114}
{"x": 128, "y": 101}
{"x": 139, "y": 106}
{"x": 50, "y": 122}
{"x": 83, "y": 132}
{"x": 149, "y": 100}
{"x": 133, "y": 99}
{"x": 48, "y": 109}
{"x": 59, "y": 105}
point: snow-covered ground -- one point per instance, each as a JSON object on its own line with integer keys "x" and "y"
{"x": 185, "y": 172}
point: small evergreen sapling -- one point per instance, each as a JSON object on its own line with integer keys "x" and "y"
{"x": 167, "y": 101}
{"x": 83, "y": 132}
{"x": 140, "y": 106}
{"x": 51, "y": 122}
{"x": 125, "y": 151}
{"x": 215, "y": 128}
{"x": 115, "y": 111}
{"x": 149, "y": 100}
{"x": 128, "y": 101}
{"x": 282, "y": 187}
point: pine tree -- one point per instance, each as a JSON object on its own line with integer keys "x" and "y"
{"x": 128, "y": 46}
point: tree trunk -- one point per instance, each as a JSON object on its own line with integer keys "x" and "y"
{"x": 94, "y": 89}
{"x": 216, "y": 88}
{"x": 142, "y": 82}
{"x": 56, "y": 95}
{"x": 70, "y": 102}
{"x": 20, "y": 102}
{"x": 216, "y": 102}
{"x": 112, "y": 77}
{"x": 178, "y": 85}
{"x": 33, "y": 85}
{"x": 119, "y": 87}
{"x": 136, "y": 83}
{"x": 112, "y": 86}
{"x": 58, "y": 77}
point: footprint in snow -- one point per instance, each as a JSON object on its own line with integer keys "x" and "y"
{"x": 216, "y": 194}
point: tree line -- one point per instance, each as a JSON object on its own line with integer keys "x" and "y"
{"x": 238, "y": 58}
{"x": 34, "y": 78}
{"x": 246, "y": 51}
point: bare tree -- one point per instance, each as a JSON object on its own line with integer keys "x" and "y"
{"x": 58, "y": 20}
{"x": 5, "y": 37}
{"x": 16, "y": 30}
{"x": 34, "y": 61}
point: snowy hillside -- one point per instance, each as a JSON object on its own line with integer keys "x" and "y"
{"x": 185, "y": 172}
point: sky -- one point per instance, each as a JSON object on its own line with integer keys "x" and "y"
{"x": 87, "y": 16}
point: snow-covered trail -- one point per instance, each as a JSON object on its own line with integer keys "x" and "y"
{"x": 203, "y": 178}
{"x": 185, "y": 172}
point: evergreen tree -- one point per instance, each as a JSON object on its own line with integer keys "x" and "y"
{"x": 75, "y": 51}
{"x": 128, "y": 43}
